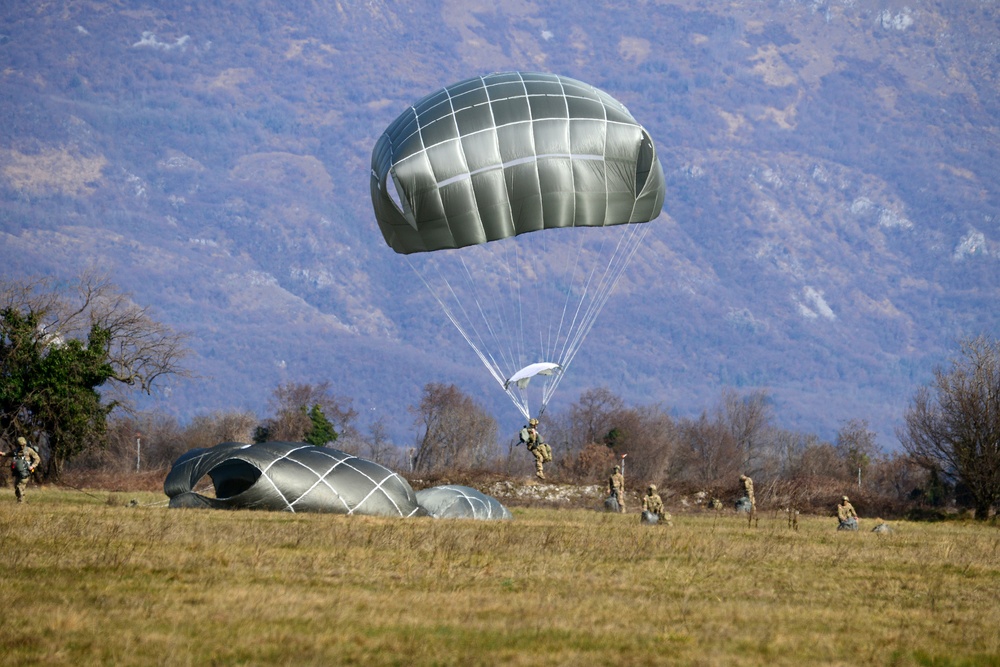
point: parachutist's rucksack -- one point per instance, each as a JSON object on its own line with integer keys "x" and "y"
{"x": 611, "y": 504}
{"x": 21, "y": 467}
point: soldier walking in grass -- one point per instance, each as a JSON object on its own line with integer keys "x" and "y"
{"x": 616, "y": 486}
{"x": 25, "y": 460}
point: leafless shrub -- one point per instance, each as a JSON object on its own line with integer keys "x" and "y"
{"x": 456, "y": 431}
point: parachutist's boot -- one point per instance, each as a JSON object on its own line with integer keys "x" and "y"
{"x": 540, "y": 475}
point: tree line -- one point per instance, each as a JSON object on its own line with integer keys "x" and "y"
{"x": 71, "y": 353}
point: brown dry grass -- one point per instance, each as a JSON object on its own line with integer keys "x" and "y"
{"x": 90, "y": 580}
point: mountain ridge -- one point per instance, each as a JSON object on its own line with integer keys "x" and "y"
{"x": 830, "y": 229}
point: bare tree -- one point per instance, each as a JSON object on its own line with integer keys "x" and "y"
{"x": 788, "y": 447}
{"x": 379, "y": 447}
{"x": 708, "y": 454}
{"x": 857, "y": 447}
{"x": 953, "y": 425}
{"x": 749, "y": 420}
{"x": 146, "y": 441}
{"x": 897, "y": 476}
{"x": 292, "y": 403}
{"x": 211, "y": 429}
{"x": 456, "y": 432}
{"x": 590, "y": 464}
{"x": 648, "y": 436}
{"x": 592, "y": 417}
{"x": 736, "y": 437}
{"x": 375, "y": 446}
{"x": 139, "y": 348}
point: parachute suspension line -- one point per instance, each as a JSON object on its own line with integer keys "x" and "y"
{"x": 553, "y": 349}
{"x": 482, "y": 348}
{"x": 487, "y": 320}
{"x": 564, "y": 358}
{"x": 490, "y": 366}
{"x": 622, "y": 258}
{"x": 628, "y": 245}
{"x": 530, "y": 304}
{"x": 518, "y": 293}
{"x": 501, "y": 310}
{"x": 514, "y": 288}
{"x": 572, "y": 267}
{"x": 506, "y": 327}
{"x": 538, "y": 304}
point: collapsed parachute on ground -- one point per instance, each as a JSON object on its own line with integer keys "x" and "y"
{"x": 512, "y": 197}
{"x": 461, "y": 502}
{"x": 292, "y": 477}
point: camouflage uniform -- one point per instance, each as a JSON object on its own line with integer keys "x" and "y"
{"x": 616, "y": 485}
{"x": 540, "y": 450}
{"x": 653, "y": 510}
{"x": 845, "y": 511}
{"x": 748, "y": 490}
{"x": 651, "y": 502}
{"x": 25, "y": 461}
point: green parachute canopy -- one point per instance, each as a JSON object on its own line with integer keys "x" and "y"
{"x": 459, "y": 180}
{"x": 504, "y": 154}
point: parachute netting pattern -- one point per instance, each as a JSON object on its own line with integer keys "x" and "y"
{"x": 461, "y": 502}
{"x": 292, "y": 477}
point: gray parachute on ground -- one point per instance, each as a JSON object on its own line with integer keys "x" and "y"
{"x": 291, "y": 477}
{"x": 461, "y": 502}
{"x": 848, "y": 524}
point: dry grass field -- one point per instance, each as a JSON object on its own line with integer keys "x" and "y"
{"x": 90, "y": 580}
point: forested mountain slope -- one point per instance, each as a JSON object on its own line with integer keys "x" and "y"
{"x": 830, "y": 229}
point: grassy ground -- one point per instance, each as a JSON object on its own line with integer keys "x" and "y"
{"x": 90, "y": 580}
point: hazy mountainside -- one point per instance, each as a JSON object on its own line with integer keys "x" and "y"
{"x": 831, "y": 224}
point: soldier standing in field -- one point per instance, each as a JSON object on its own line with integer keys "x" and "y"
{"x": 748, "y": 491}
{"x": 26, "y": 459}
{"x": 616, "y": 486}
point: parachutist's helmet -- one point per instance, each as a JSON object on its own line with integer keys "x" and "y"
{"x": 618, "y": 469}
{"x": 532, "y": 422}
{"x": 845, "y": 499}
{"x": 652, "y": 488}
{"x": 22, "y": 442}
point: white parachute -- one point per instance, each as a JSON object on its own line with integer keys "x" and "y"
{"x": 523, "y": 376}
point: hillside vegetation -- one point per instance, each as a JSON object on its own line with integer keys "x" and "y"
{"x": 830, "y": 228}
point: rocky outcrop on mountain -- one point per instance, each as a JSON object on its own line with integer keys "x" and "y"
{"x": 830, "y": 227}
